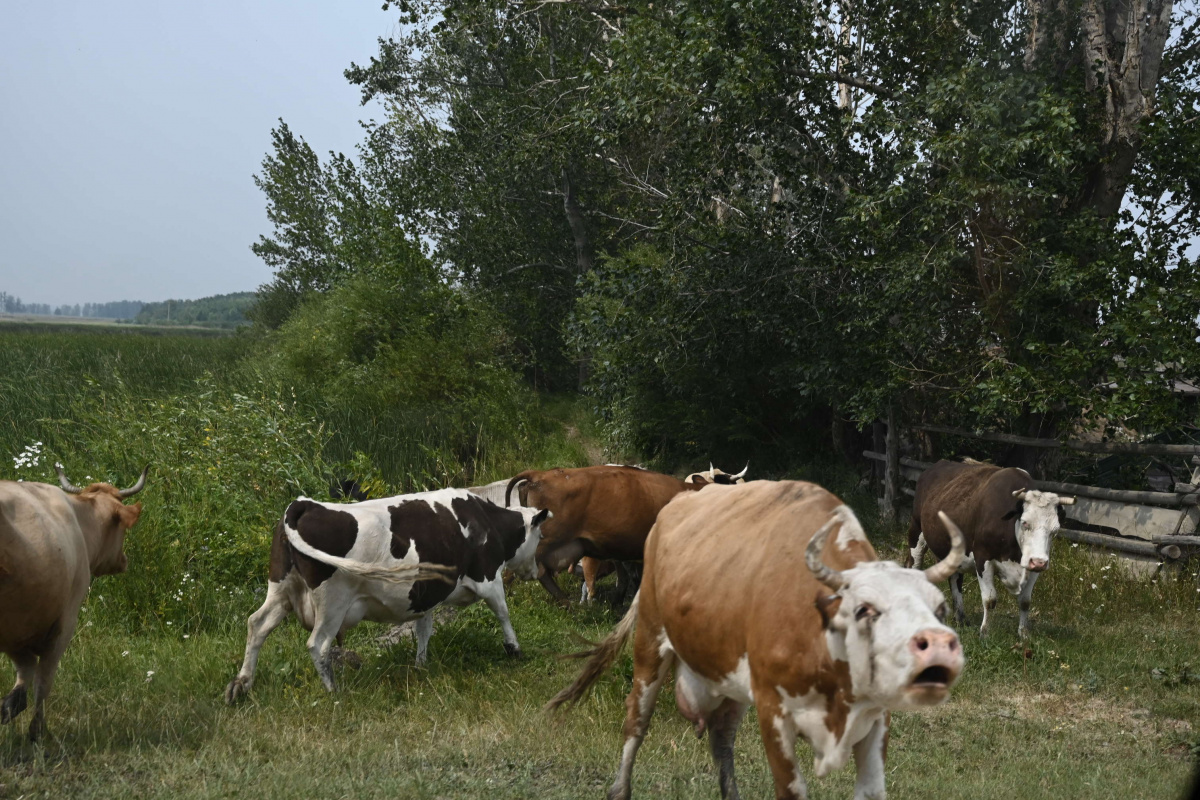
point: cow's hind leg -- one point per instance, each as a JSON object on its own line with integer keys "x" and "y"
{"x": 869, "y": 762}
{"x": 987, "y": 591}
{"x": 650, "y": 667}
{"x": 553, "y": 561}
{"x": 43, "y": 676}
{"x": 722, "y": 731}
{"x": 18, "y": 699}
{"x": 267, "y": 618}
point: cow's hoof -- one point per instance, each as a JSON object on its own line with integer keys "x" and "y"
{"x": 236, "y": 690}
{"x": 512, "y": 650}
{"x": 37, "y": 729}
{"x": 12, "y": 704}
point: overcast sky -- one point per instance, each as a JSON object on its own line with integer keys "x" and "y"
{"x": 130, "y": 130}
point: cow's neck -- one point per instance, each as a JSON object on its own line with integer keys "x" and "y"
{"x": 90, "y": 529}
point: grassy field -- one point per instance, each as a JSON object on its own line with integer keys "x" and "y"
{"x": 1102, "y": 702}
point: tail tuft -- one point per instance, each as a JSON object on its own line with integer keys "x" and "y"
{"x": 600, "y": 660}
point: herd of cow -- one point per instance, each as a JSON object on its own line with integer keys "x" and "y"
{"x": 765, "y": 593}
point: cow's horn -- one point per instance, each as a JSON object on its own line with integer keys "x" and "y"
{"x": 1020, "y": 494}
{"x": 137, "y": 487}
{"x": 66, "y": 485}
{"x": 942, "y": 570}
{"x": 812, "y": 556}
{"x": 742, "y": 474}
{"x": 1066, "y": 501}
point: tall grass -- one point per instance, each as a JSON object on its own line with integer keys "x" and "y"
{"x": 230, "y": 445}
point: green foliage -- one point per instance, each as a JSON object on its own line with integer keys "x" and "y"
{"x": 395, "y": 351}
{"x": 218, "y": 311}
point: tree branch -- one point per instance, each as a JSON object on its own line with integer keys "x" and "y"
{"x": 850, "y": 80}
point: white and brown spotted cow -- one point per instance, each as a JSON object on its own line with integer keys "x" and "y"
{"x": 335, "y": 565}
{"x": 769, "y": 593}
{"x": 1008, "y": 526}
{"x": 53, "y": 541}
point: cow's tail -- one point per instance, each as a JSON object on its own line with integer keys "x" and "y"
{"x": 395, "y": 573}
{"x": 524, "y": 476}
{"x": 599, "y": 659}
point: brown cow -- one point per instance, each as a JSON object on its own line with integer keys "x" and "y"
{"x": 603, "y": 512}
{"x": 1008, "y": 526}
{"x": 736, "y": 595}
{"x": 53, "y": 541}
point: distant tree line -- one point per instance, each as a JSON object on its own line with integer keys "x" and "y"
{"x": 217, "y": 311}
{"x": 734, "y": 222}
{"x": 13, "y": 305}
{"x": 117, "y": 309}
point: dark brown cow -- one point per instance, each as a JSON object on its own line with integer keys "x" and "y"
{"x": 603, "y": 512}
{"x": 53, "y": 541}
{"x": 593, "y": 569}
{"x": 769, "y": 594}
{"x": 1008, "y": 526}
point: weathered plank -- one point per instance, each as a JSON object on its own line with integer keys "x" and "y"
{"x": 1131, "y": 519}
{"x": 1141, "y": 448}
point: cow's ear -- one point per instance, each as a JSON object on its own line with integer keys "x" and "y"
{"x": 827, "y": 607}
{"x": 700, "y": 480}
{"x": 540, "y": 517}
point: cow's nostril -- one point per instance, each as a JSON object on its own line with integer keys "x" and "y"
{"x": 953, "y": 645}
{"x": 922, "y": 643}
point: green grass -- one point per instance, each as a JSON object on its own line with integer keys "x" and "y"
{"x": 1101, "y": 705}
{"x": 1102, "y": 702}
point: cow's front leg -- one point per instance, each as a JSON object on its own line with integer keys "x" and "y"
{"x": 17, "y": 700}
{"x": 492, "y": 593}
{"x": 960, "y": 613}
{"x": 869, "y": 762}
{"x": 424, "y": 629}
{"x": 987, "y": 591}
{"x": 779, "y": 739}
{"x": 1024, "y": 597}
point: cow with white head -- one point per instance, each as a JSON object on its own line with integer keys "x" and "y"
{"x": 1009, "y": 527}
{"x": 769, "y": 594}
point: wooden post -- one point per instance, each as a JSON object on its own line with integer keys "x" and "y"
{"x": 891, "y": 474}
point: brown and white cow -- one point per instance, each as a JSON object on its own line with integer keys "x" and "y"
{"x": 603, "y": 512}
{"x": 769, "y": 594}
{"x": 335, "y": 564}
{"x": 1008, "y": 526}
{"x": 53, "y": 541}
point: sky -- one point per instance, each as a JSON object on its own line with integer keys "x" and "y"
{"x": 130, "y": 131}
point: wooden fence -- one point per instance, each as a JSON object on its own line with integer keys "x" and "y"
{"x": 1157, "y": 525}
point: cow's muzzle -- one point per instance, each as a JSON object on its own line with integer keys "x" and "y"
{"x": 937, "y": 663}
{"x": 1037, "y": 564}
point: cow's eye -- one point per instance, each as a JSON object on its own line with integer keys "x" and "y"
{"x": 941, "y": 613}
{"x": 865, "y": 611}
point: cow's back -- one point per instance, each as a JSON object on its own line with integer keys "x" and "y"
{"x": 612, "y": 506}
{"x": 725, "y": 572}
{"x": 976, "y": 497}
{"x": 43, "y": 562}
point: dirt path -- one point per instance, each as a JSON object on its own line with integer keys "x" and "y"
{"x": 595, "y": 454}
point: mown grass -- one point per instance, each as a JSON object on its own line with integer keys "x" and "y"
{"x": 1094, "y": 705}
{"x": 1101, "y": 702}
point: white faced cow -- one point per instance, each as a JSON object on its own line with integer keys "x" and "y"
{"x": 53, "y": 541}
{"x": 753, "y": 598}
{"x": 1008, "y": 526}
{"x": 335, "y": 565}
